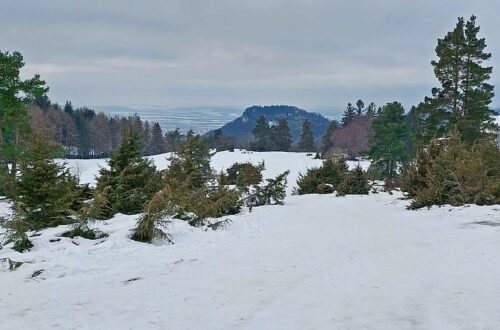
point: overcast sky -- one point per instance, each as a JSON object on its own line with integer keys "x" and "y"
{"x": 307, "y": 53}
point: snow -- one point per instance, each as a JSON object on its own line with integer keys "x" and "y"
{"x": 318, "y": 262}
{"x": 275, "y": 162}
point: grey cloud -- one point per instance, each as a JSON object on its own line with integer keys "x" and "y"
{"x": 185, "y": 52}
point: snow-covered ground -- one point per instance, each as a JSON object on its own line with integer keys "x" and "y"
{"x": 318, "y": 262}
{"x": 275, "y": 163}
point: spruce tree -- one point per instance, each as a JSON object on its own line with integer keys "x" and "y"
{"x": 157, "y": 142}
{"x": 129, "y": 181}
{"x": 173, "y": 139}
{"x": 281, "y": 136}
{"x": 371, "y": 110}
{"x": 389, "y": 148}
{"x": 349, "y": 114}
{"x": 45, "y": 190}
{"x": 261, "y": 132}
{"x": 306, "y": 142}
{"x": 464, "y": 96}
{"x": 360, "y": 107}
{"x": 326, "y": 138}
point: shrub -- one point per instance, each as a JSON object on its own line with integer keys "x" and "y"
{"x": 191, "y": 193}
{"x": 452, "y": 172}
{"x": 354, "y": 183}
{"x": 330, "y": 173}
{"x": 274, "y": 192}
{"x": 244, "y": 175}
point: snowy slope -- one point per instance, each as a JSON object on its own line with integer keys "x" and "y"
{"x": 318, "y": 262}
{"x": 276, "y": 163}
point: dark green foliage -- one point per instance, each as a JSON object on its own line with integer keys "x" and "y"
{"x": 190, "y": 193}
{"x": 45, "y": 190}
{"x": 84, "y": 232}
{"x": 454, "y": 172}
{"x": 349, "y": 114}
{"x": 262, "y": 136}
{"x": 173, "y": 139}
{"x": 130, "y": 181}
{"x": 325, "y": 139}
{"x": 15, "y": 94}
{"x": 274, "y": 192}
{"x": 220, "y": 142}
{"x": 190, "y": 166}
{"x": 152, "y": 224}
{"x": 463, "y": 99}
{"x": 376, "y": 171}
{"x": 271, "y": 138}
{"x": 89, "y": 211}
{"x": 4, "y": 177}
{"x": 388, "y": 149}
{"x": 20, "y": 240}
{"x": 324, "y": 179}
{"x": 355, "y": 182}
{"x": 156, "y": 143}
{"x": 306, "y": 142}
{"x": 281, "y": 136}
{"x": 244, "y": 175}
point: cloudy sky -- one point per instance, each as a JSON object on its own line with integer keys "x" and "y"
{"x": 308, "y": 53}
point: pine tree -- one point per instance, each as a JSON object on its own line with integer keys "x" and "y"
{"x": 477, "y": 93}
{"x": 371, "y": 110}
{"x": 157, "y": 142}
{"x": 360, "y": 107}
{"x": 464, "y": 96}
{"x": 306, "y": 142}
{"x": 173, "y": 139}
{"x": 349, "y": 114}
{"x": 146, "y": 139}
{"x": 261, "y": 132}
{"x": 15, "y": 94}
{"x": 130, "y": 180}
{"x": 388, "y": 148}
{"x": 68, "y": 108}
{"x": 281, "y": 136}
{"x": 44, "y": 189}
{"x": 326, "y": 138}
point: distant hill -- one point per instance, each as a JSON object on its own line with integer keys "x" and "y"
{"x": 241, "y": 127}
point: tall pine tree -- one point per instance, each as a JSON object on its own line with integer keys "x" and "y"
{"x": 306, "y": 142}
{"x": 281, "y": 136}
{"x": 15, "y": 94}
{"x": 463, "y": 99}
{"x": 261, "y": 134}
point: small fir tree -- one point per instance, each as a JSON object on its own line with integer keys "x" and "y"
{"x": 130, "y": 180}
{"x": 354, "y": 183}
{"x": 45, "y": 190}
